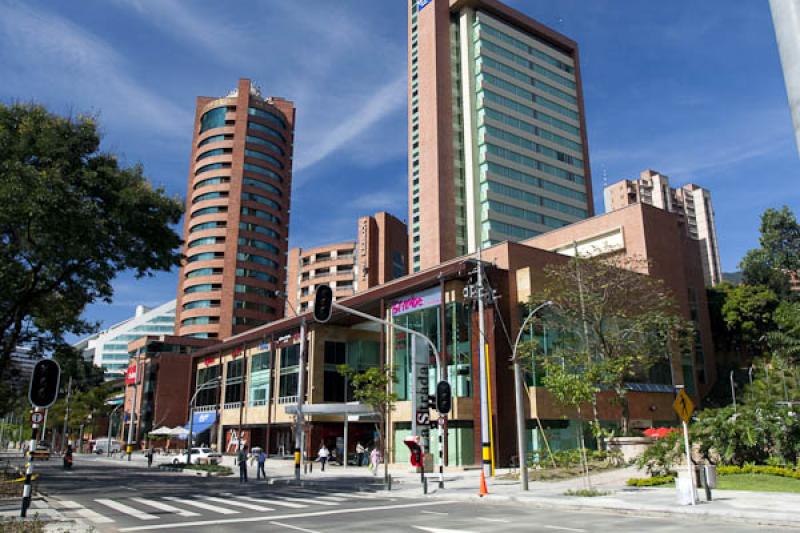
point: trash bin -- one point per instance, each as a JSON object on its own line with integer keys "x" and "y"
{"x": 686, "y": 490}
{"x": 710, "y": 473}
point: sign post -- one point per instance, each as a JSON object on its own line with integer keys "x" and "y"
{"x": 42, "y": 393}
{"x": 684, "y": 407}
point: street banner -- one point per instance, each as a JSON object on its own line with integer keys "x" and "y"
{"x": 130, "y": 375}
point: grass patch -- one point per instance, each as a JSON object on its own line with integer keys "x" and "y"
{"x": 214, "y": 469}
{"x": 758, "y": 483}
{"x": 587, "y": 493}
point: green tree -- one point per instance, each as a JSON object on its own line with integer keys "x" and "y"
{"x": 747, "y": 312}
{"x": 778, "y": 254}
{"x": 616, "y": 324}
{"x": 71, "y": 219}
{"x": 373, "y": 387}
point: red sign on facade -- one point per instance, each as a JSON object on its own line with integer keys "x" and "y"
{"x": 130, "y": 375}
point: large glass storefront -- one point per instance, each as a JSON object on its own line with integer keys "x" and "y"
{"x": 421, "y": 312}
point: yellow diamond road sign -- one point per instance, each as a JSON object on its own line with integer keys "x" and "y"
{"x": 683, "y": 405}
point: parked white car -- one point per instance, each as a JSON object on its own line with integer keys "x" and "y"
{"x": 102, "y": 446}
{"x": 207, "y": 454}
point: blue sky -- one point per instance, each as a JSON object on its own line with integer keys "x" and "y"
{"x": 692, "y": 89}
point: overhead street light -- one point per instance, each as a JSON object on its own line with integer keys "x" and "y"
{"x": 518, "y": 384}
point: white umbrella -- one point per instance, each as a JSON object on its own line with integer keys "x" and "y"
{"x": 179, "y": 431}
{"x": 163, "y": 430}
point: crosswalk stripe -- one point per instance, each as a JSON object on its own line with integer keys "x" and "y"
{"x": 357, "y": 495}
{"x": 201, "y": 505}
{"x": 165, "y": 507}
{"x": 251, "y": 506}
{"x": 122, "y": 508}
{"x": 318, "y": 495}
{"x": 97, "y": 518}
{"x": 270, "y": 500}
{"x": 66, "y": 504}
{"x": 305, "y": 500}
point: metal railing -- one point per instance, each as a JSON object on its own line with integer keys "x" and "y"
{"x": 232, "y": 405}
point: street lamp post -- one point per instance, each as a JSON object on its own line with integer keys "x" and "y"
{"x": 733, "y": 393}
{"x": 205, "y": 386}
{"x": 518, "y": 384}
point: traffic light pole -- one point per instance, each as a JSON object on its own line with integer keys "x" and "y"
{"x": 26, "y": 489}
{"x": 440, "y": 374}
{"x": 301, "y": 380}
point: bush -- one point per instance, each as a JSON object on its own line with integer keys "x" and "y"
{"x": 214, "y": 469}
{"x": 587, "y": 493}
{"x": 649, "y": 481}
{"x": 572, "y": 458}
{"x": 793, "y": 473}
{"x": 660, "y": 458}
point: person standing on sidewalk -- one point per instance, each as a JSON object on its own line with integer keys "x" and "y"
{"x": 323, "y": 455}
{"x": 360, "y": 451}
{"x": 261, "y": 459}
{"x": 374, "y": 460}
{"x": 241, "y": 459}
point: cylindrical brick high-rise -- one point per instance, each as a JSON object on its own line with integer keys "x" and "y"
{"x": 237, "y": 214}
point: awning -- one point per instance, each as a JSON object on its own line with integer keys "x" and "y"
{"x": 202, "y": 421}
{"x": 349, "y": 408}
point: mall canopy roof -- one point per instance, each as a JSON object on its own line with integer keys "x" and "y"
{"x": 341, "y": 409}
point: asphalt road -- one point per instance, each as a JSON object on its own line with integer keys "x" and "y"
{"x": 118, "y": 498}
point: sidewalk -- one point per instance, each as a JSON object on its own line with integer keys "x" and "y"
{"x": 766, "y": 508}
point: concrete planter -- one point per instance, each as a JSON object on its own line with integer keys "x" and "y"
{"x": 631, "y": 447}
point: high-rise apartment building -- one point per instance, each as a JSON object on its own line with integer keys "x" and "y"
{"x": 690, "y": 201}
{"x": 378, "y": 255}
{"x": 497, "y": 132}
{"x": 237, "y": 214}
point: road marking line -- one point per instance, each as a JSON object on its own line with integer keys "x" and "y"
{"x": 296, "y": 528}
{"x": 486, "y": 519}
{"x": 358, "y": 495}
{"x": 270, "y": 500}
{"x": 440, "y": 530}
{"x": 226, "y": 521}
{"x": 303, "y": 500}
{"x": 321, "y": 495}
{"x": 97, "y": 518}
{"x": 165, "y": 507}
{"x": 201, "y": 505}
{"x": 562, "y": 528}
{"x": 66, "y": 504}
{"x": 433, "y": 512}
{"x": 251, "y": 506}
{"x": 122, "y": 508}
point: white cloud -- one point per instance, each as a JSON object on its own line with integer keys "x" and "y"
{"x": 78, "y": 64}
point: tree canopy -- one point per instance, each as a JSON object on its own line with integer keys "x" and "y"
{"x": 778, "y": 254}
{"x": 71, "y": 218}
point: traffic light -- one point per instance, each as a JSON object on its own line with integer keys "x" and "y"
{"x": 444, "y": 399}
{"x": 323, "y": 303}
{"x": 44, "y": 383}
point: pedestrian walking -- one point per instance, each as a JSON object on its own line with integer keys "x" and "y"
{"x": 360, "y": 451}
{"x": 241, "y": 459}
{"x": 262, "y": 458}
{"x": 68, "y": 457}
{"x": 323, "y": 455}
{"x": 374, "y": 460}
{"x": 149, "y": 455}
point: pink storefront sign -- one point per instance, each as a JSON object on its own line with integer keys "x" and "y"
{"x": 417, "y": 301}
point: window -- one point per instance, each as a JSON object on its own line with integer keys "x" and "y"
{"x": 247, "y": 289}
{"x": 200, "y": 320}
{"x": 201, "y": 304}
{"x": 211, "y": 181}
{"x": 261, "y": 245}
{"x": 206, "y": 241}
{"x": 263, "y": 142}
{"x": 208, "y": 225}
{"x": 259, "y": 155}
{"x": 214, "y": 139}
{"x": 262, "y": 185}
{"x": 203, "y": 287}
{"x": 265, "y": 129}
{"x": 241, "y": 256}
{"x": 252, "y": 197}
{"x": 204, "y": 272}
{"x": 247, "y": 321}
{"x": 205, "y": 256}
{"x": 212, "y": 166}
{"x": 249, "y": 211}
{"x": 233, "y": 381}
{"x": 255, "y": 274}
{"x": 209, "y": 196}
{"x": 213, "y": 119}
{"x": 255, "y": 228}
{"x": 209, "y": 211}
{"x": 263, "y": 171}
{"x": 253, "y": 306}
{"x": 269, "y": 116}
{"x": 213, "y": 153}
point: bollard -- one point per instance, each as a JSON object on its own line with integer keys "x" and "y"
{"x": 389, "y": 485}
{"x": 424, "y": 485}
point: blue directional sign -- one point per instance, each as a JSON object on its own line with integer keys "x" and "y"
{"x": 422, "y": 3}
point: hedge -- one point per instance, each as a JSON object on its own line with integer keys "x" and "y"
{"x": 649, "y": 481}
{"x": 793, "y": 473}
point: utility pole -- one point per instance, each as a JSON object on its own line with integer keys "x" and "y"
{"x": 66, "y": 414}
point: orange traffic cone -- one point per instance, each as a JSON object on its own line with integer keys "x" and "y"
{"x": 484, "y": 491}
